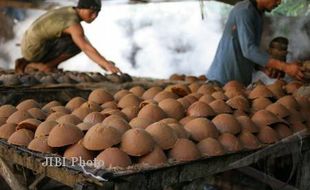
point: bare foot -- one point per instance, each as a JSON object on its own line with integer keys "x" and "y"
{"x": 32, "y": 67}
{"x": 20, "y": 65}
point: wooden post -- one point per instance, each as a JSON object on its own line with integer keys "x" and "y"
{"x": 34, "y": 184}
{"x": 273, "y": 182}
{"x": 303, "y": 179}
{"x": 10, "y": 177}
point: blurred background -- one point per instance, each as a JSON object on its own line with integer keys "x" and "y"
{"x": 155, "y": 38}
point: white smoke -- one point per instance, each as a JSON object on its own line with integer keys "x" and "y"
{"x": 11, "y": 49}
{"x": 297, "y": 30}
{"x": 153, "y": 40}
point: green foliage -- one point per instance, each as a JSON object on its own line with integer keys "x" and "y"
{"x": 293, "y": 8}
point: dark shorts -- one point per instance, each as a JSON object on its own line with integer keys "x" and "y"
{"x": 63, "y": 45}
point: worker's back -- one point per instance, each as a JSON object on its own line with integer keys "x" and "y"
{"x": 48, "y": 27}
{"x": 237, "y": 53}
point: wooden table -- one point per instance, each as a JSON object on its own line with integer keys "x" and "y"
{"x": 154, "y": 178}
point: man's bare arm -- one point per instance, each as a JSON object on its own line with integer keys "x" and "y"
{"x": 292, "y": 69}
{"x": 77, "y": 33}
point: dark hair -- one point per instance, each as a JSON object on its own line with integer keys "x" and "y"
{"x": 89, "y": 4}
{"x": 280, "y": 39}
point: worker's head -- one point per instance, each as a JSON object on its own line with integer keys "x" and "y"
{"x": 89, "y": 9}
{"x": 278, "y": 48}
{"x": 279, "y": 42}
{"x": 268, "y": 5}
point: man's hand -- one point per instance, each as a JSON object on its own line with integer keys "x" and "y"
{"x": 110, "y": 66}
{"x": 273, "y": 73}
{"x": 294, "y": 70}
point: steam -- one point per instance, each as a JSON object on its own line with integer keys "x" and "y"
{"x": 154, "y": 40}
{"x": 297, "y": 30}
{"x": 10, "y": 50}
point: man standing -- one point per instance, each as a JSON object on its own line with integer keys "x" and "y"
{"x": 57, "y": 36}
{"x": 238, "y": 50}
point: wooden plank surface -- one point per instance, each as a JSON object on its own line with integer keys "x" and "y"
{"x": 65, "y": 174}
{"x": 291, "y": 144}
{"x": 15, "y": 96}
{"x": 157, "y": 178}
{"x": 210, "y": 166}
{"x": 64, "y": 92}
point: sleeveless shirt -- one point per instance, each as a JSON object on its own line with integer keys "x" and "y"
{"x": 47, "y": 27}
